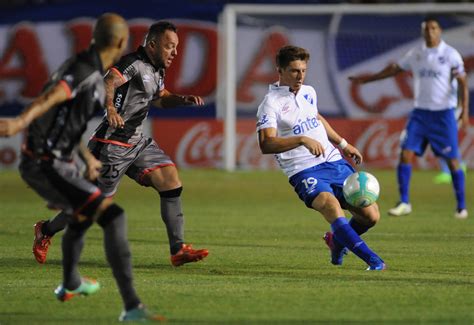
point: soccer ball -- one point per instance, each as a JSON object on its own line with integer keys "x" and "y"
{"x": 361, "y": 189}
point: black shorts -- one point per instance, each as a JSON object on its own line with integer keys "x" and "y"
{"x": 61, "y": 183}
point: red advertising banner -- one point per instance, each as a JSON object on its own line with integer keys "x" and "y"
{"x": 198, "y": 142}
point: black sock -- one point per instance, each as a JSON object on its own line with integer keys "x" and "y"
{"x": 172, "y": 216}
{"x": 118, "y": 253}
{"x": 54, "y": 225}
{"x": 72, "y": 243}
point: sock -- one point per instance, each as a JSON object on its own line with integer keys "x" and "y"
{"x": 52, "y": 226}
{"x": 72, "y": 243}
{"x": 118, "y": 254}
{"x": 350, "y": 239}
{"x": 459, "y": 188}
{"x": 172, "y": 216}
{"x": 358, "y": 227}
{"x": 403, "y": 176}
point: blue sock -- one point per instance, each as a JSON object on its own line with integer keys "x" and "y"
{"x": 459, "y": 186}
{"x": 345, "y": 235}
{"x": 404, "y": 175}
{"x": 358, "y": 227}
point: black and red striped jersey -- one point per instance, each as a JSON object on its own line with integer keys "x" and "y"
{"x": 58, "y": 132}
{"x": 143, "y": 82}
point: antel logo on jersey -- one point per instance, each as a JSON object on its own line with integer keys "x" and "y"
{"x": 428, "y": 73}
{"x": 306, "y": 125}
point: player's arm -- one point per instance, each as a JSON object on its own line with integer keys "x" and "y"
{"x": 270, "y": 143}
{"x": 49, "y": 99}
{"x": 389, "y": 71}
{"x": 112, "y": 81}
{"x": 166, "y": 99}
{"x": 93, "y": 165}
{"x": 347, "y": 149}
{"x": 463, "y": 90}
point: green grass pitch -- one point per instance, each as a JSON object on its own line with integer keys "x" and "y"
{"x": 267, "y": 262}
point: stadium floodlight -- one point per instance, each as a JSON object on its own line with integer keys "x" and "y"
{"x": 236, "y": 17}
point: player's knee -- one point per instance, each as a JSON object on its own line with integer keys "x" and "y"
{"x": 90, "y": 210}
{"x": 171, "y": 193}
{"x": 78, "y": 225}
{"x": 109, "y": 214}
{"x": 406, "y": 156}
{"x": 327, "y": 204}
{"x": 371, "y": 215}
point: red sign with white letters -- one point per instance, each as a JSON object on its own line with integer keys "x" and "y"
{"x": 199, "y": 142}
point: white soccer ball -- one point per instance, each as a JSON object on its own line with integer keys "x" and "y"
{"x": 361, "y": 189}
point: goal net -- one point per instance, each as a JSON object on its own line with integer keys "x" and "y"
{"x": 343, "y": 40}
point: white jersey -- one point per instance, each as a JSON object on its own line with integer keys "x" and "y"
{"x": 434, "y": 72}
{"x": 295, "y": 115}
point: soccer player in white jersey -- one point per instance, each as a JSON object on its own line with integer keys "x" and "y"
{"x": 439, "y": 77}
{"x": 290, "y": 126}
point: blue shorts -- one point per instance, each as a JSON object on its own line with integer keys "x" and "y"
{"x": 326, "y": 177}
{"x": 437, "y": 128}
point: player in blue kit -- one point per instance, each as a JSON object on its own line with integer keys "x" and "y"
{"x": 439, "y": 78}
{"x": 290, "y": 127}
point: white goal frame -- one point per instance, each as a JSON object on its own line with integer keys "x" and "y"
{"x": 227, "y": 28}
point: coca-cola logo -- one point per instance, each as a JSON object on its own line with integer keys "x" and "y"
{"x": 202, "y": 146}
{"x": 378, "y": 145}
{"x": 200, "y": 143}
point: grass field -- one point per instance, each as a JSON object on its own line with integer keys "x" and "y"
{"x": 267, "y": 262}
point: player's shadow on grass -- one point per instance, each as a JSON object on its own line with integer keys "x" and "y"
{"x": 102, "y": 264}
{"x": 292, "y": 321}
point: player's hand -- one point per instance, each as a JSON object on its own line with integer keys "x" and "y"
{"x": 11, "y": 126}
{"x": 93, "y": 168}
{"x": 193, "y": 100}
{"x": 315, "y": 147}
{"x": 352, "y": 152}
{"x": 114, "y": 118}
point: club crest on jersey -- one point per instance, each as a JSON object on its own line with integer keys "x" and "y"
{"x": 442, "y": 60}
{"x": 308, "y": 98}
{"x": 263, "y": 120}
{"x": 305, "y": 125}
{"x": 285, "y": 109}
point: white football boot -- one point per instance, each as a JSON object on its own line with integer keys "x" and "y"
{"x": 401, "y": 209}
{"x": 461, "y": 214}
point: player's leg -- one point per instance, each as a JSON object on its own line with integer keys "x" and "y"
{"x": 404, "y": 170}
{"x": 364, "y": 218}
{"x": 167, "y": 183}
{"x": 320, "y": 187}
{"x": 154, "y": 168}
{"x": 328, "y": 205}
{"x": 444, "y": 176}
{"x": 442, "y": 137}
{"x": 413, "y": 141}
{"x": 459, "y": 185}
{"x": 113, "y": 222}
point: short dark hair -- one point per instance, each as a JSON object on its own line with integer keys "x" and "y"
{"x": 431, "y": 18}
{"x": 290, "y": 53}
{"x": 159, "y": 28}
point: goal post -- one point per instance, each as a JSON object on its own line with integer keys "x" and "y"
{"x": 235, "y": 17}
